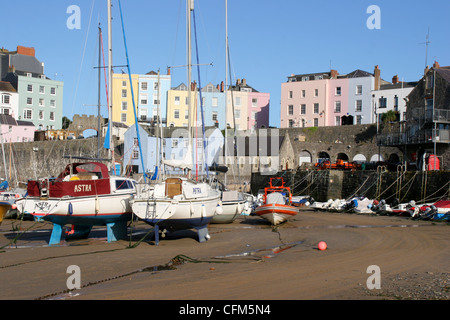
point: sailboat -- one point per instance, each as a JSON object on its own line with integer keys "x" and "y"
{"x": 234, "y": 203}
{"x": 179, "y": 203}
{"x": 84, "y": 194}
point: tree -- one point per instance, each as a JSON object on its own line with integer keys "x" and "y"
{"x": 65, "y": 122}
{"x": 389, "y": 116}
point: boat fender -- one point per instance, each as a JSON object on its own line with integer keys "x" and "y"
{"x": 97, "y": 205}
{"x": 239, "y": 208}
{"x": 191, "y": 208}
{"x": 219, "y": 209}
{"x": 203, "y": 211}
{"x": 70, "y": 209}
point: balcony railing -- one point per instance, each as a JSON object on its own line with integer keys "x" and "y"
{"x": 419, "y": 137}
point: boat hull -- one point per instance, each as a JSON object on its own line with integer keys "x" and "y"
{"x": 176, "y": 214}
{"x": 5, "y": 206}
{"x": 230, "y": 211}
{"x": 276, "y": 213}
{"x": 100, "y": 210}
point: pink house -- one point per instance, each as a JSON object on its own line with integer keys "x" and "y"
{"x": 15, "y": 131}
{"x": 338, "y": 101}
{"x": 303, "y": 100}
{"x": 258, "y": 110}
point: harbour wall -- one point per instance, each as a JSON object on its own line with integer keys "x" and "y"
{"x": 323, "y": 185}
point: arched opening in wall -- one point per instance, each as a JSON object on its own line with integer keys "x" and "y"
{"x": 394, "y": 158}
{"x": 342, "y": 156}
{"x": 347, "y": 120}
{"x": 323, "y": 156}
{"x": 304, "y": 157}
{"x": 89, "y": 133}
{"x": 360, "y": 158}
{"x": 376, "y": 157}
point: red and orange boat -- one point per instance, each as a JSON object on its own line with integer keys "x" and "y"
{"x": 277, "y": 203}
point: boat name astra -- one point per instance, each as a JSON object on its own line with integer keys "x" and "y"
{"x": 82, "y": 188}
{"x": 42, "y": 206}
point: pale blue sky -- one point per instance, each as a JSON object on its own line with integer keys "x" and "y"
{"x": 269, "y": 40}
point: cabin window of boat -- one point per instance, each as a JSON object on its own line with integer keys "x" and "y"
{"x": 123, "y": 184}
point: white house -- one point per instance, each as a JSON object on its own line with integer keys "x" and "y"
{"x": 9, "y": 99}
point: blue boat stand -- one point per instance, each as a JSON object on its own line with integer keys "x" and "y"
{"x": 115, "y": 231}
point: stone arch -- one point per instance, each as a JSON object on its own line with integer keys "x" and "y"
{"x": 394, "y": 158}
{"x": 304, "y": 157}
{"x": 359, "y": 158}
{"x": 376, "y": 158}
{"x": 342, "y": 156}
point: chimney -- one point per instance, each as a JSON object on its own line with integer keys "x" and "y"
{"x": 395, "y": 79}
{"x": 168, "y": 71}
{"x": 426, "y": 70}
{"x": 25, "y": 51}
{"x": 334, "y": 74}
{"x": 222, "y": 87}
{"x": 238, "y": 82}
{"x": 436, "y": 65}
{"x": 11, "y": 68}
{"x": 244, "y": 82}
{"x": 376, "y": 74}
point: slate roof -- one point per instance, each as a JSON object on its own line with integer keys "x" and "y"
{"x": 6, "y": 86}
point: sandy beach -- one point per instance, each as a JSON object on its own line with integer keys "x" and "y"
{"x": 245, "y": 260}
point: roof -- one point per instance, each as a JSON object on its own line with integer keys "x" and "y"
{"x": 6, "y": 86}
{"x": 444, "y": 72}
{"x": 398, "y": 85}
{"x": 358, "y": 74}
{"x": 25, "y": 123}
{"x": 7, "y": 119}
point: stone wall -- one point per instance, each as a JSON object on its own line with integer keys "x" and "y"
{"x": 374, "y": 184}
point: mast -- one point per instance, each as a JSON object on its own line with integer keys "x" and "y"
{"x": 226, "y": 87}
{"x": 99, "y": 84}
{"x": 190, "y": 7}
{"x": 110, "y": 71}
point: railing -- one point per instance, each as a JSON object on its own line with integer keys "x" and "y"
{"x": 422, "y": 136}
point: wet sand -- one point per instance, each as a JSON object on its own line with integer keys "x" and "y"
{"x": 245, "y": 260}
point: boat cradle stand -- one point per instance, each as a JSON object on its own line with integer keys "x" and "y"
{"x": 115, "y": 231}
{"x": 203, "y": 234}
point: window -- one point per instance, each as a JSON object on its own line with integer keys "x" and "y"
{"x": 238, "y": 101}
{"x": 337, "y": 106}
{"x": 176, "y": 114}
{"x": 254, "y": 102}
{"x": 214, "y": 102}
{"x": 155, "y": 86}
{"x": 135, "y": 154}
{"x": 214, "y": 116}
{"x": 174, "y": 143}
{"x": 290, "y": 110}
{"x": 303, "y": 93}
{"x": 30, "y": 88}
{"x": 337, "y": 91}
{"x": 123, "y": 184}
{"x": 6, "y": 99}
{"x": 303, "y": 109}
{"x": 41, "y": 115}
{"x": 28, "y": 114}
{"x": 124, "y": 93}
{"x": 186, "y": 114}
{"x": 396, "y": 103}
{"x": 29, "y": 101}
{"x": 52, "y": 103}
{"x": 254, "y": 115}
{"x": 124, "y": 83}
{"x": 41, "y": 102}
{"x": 41, "y": 89}
{"x": 383, "y": 102}
{"x": 53, "y": 91}
{"x": 52, "y": 116}
{"x": 123, "y": 117}
{"x": 338, "y": 121}
{"x": 144, "y": 101}
{"x": 177, "y": 100}
{"x": 358, "y": 89}
{"x": 291, "y": 123}
{"x": 291, "y": 94}
{"x": 358, "y": 119}
{"x": 124, "y": 105}
{"x": 144, "y": 85}
{"x": 316, "y": 108}
{"x": 237, "y": 114}
{"x": 316, "y": 92}
{"x": 305, "y": 78}
{"x": 316, "y": 122}
{"x": 358, "y": 107}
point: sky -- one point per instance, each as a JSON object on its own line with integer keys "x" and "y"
{"x": 268, "y": 40}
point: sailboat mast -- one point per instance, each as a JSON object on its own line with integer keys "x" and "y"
{"x": 99, "y": 91}
{"x": 110, "y": 72}
{"x": 190, "y": 7}
{"x": 226, "y": 87}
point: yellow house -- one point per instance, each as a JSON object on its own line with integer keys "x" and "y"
{"x": 177, "y": 106}
{"x": 122, "y": 104}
